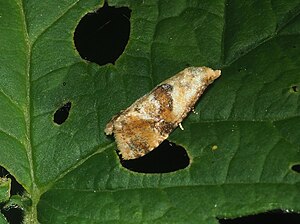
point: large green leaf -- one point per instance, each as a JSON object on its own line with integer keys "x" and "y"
{"x": 72, "y": 173}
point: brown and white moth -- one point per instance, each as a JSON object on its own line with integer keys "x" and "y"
{"x": 149, "y": 120}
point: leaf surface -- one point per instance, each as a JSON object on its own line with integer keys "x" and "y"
{"x": 5, "y": 184}
{"x": 71, "y": 171}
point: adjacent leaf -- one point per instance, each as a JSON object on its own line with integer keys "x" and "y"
{"x": 71, "y": 171}
{"x": 4, "y": 189}
{"x": 2, "y": 219}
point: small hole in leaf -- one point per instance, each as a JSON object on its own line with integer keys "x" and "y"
{"x": 62, "y": 113}
{"x": 14, "y": 215}
{"x": 16, "y": 188}
{"x": 296, "y": 168}
{"x": 276, "y": 216}
{"x": 167, "y": 157}
{"x": 102, "y": 36}
{"x": 295, "y": 88}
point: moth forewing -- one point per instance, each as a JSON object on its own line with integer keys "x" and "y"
{"x": 149, "y": 120}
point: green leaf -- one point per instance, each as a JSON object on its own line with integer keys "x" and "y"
{"x": 2, "y": 219}
{"x": 5, "y": 184}
{"x": 71, "y": 172}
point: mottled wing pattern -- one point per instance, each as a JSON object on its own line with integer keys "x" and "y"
{"x": 149, "y": 120}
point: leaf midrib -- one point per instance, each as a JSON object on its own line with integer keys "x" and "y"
{"x": 33, "y": 190}
{"x": 31, "y": 215}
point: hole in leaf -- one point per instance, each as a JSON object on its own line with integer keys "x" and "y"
{"x": 296, "y": 168}
{"x": 102, "y": 36}
{"x": 14, "y": 215}
{"x": 276, "y": 216}
{"x": 16, "y": 188}
{"x": 62, "y": 113}
{"x": 295, "y": 88}
{"x": 167, "y": 157}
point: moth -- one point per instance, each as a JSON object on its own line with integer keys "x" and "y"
{"x": 149, "y": 120}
